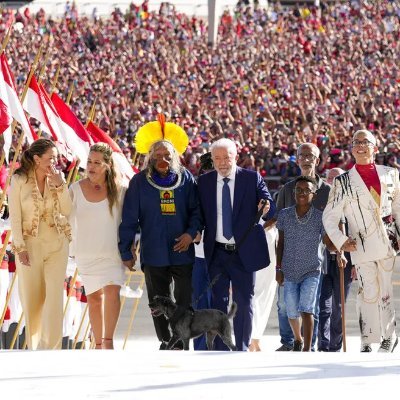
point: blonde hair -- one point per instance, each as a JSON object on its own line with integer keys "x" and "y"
{"x": 111, "y": 175}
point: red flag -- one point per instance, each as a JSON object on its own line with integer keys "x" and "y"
{"x": 8, "y": 94}
{"x": 10, "y": 107}
{"x": 5, "y": 117}
{"x": 119, "y": 158}
{"x": 38, "y": 104}
{"x": 78, "y": 139}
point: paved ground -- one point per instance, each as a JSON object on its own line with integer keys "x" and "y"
{"x": 142, "y": 333}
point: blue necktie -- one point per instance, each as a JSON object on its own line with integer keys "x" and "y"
{"x": 226, "y": 211}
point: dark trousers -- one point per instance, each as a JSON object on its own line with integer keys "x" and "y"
{"x": 201, "y": 295}
{"x": 158, "y": 280}
{"x": 230, "y": 270}
{"x": 330, "y": 315}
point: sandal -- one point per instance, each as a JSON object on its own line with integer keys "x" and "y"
{"x": 108, "y": 344}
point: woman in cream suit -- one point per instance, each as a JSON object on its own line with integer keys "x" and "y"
{"x": 39, "y": 205}
{"x": 369, "y": 197}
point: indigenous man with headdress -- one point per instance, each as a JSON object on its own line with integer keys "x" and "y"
{"x": 162, "y": 200}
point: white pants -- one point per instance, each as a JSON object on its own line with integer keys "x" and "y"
{"x": 375, "y": 303}
{"x": 264, "y": 290}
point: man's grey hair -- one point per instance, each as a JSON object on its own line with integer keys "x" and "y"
{"x": 175, "y": 164}
{"x": 314, "y": 148}
{"x": 224, "y": 143}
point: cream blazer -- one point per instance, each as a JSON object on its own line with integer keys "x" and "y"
{"x": 26, "y": 206}
{"x": 349, "y": 196}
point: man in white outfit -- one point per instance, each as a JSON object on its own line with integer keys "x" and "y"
{"x": 369, "y": 197}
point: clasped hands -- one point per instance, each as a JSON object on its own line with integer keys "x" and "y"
{"x": 182, "y": 244}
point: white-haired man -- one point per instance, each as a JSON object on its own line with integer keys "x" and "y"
{"x": 230, "y": 198}
{"x": 369, "y": 197}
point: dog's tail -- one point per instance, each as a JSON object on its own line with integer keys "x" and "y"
{"x": 232, "y": 311}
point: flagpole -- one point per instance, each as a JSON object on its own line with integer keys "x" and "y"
{"x": 72, "y": 284}
{"x": 2, "y": 252}
{"x": 55, "y": 80}
{"x": 133, "y": 313}
{"x": 68, "y": 101}
{"x": 16, "y": 333}
{"x": 21, "y": 138}
{"x": 7, "y": 38}
{"x": 91, "y": 112}
{"x": 80, "y": 327}
{"x": 70, "y": 91}
{"x": 43, "y": 68}
{"x": 2, "y": 158}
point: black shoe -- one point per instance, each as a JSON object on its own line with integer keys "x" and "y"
{"x": 163, "y": 345}
{"x": 284, "y": 347}
{"x": 366, "y": 348}
{"x": 298, "y": 345}
{"x": 388, "y": 345}
{"x": 178, "y": 345}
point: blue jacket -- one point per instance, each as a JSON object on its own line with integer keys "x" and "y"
{"x": 250, "y": 188}
{"x": 158, "y": 232}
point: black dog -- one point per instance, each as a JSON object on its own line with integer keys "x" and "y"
{"x": 187, "y": 323}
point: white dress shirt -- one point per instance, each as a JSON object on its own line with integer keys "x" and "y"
{"x": 220, "y": 183}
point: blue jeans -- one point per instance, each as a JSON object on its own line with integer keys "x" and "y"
{"x": 301, "y": 297}
{"x": 285, "y": 331}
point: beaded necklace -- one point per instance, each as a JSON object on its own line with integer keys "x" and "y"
{"x": 305, "y": 218}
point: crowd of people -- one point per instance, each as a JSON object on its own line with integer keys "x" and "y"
{"x": 283, "y": 93}
{"x": 276, "y": 77}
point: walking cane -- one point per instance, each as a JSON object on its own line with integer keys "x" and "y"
{"x": 342, "y": 298}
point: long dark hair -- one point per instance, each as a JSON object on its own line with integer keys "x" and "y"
{"x": 37, "y": 148}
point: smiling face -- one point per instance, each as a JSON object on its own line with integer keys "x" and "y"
{"x": 363, "y": 150}
{"x": 46, "y": 160}
{"x": 304, "y": 192}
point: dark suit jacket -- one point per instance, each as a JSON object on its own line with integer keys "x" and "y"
{"x": 250, "y": 188}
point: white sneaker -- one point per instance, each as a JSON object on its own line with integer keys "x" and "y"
{"x": 366, "y": 348}
{"x": 126, "y": 291}
{"x": 388, "y": 345}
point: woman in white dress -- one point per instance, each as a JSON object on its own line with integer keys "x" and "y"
{"x": 96, "y": 214}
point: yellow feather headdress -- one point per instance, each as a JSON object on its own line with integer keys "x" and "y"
{"x": 155, "y": 131}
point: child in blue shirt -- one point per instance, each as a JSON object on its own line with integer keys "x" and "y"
{"x": 299, "y": 258}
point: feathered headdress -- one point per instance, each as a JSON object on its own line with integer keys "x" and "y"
{"x": 155, "y": 131}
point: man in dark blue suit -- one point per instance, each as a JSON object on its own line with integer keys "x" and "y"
{"x": 230, "y": 198}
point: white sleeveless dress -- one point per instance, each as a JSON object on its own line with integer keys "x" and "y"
{"x": 95, "y": 240}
